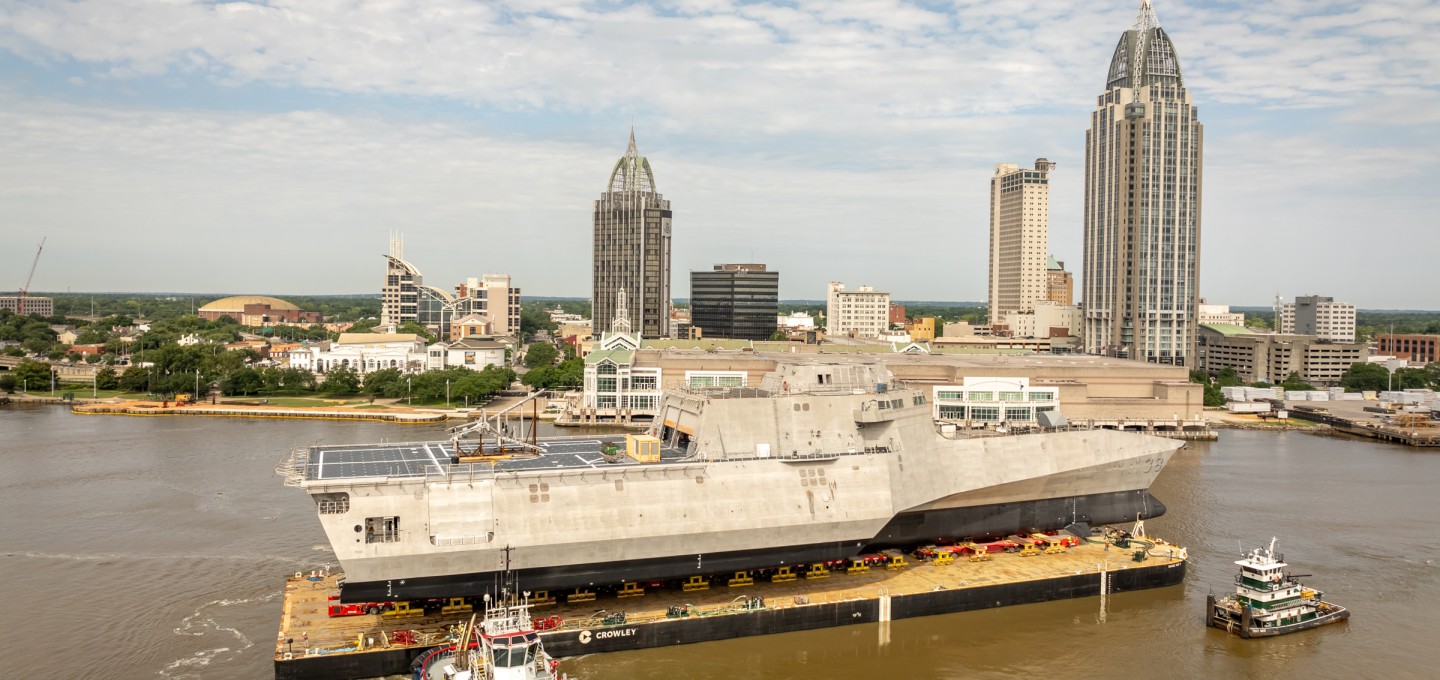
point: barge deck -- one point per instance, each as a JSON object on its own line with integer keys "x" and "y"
{"x": 313, "y": 646}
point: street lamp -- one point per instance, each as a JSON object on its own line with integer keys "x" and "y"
{"x": 447, "y": 393}
{"x": 407, "y": 391}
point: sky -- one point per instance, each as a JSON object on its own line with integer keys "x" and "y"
{"x": 271, "y": 147}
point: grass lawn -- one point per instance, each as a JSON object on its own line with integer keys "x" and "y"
{"x": 84, "y": 393}
{"x": 373, "y": 406}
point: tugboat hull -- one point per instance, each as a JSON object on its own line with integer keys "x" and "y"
{"x": 1241, "y": 624}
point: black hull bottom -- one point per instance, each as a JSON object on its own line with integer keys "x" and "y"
{"x": 761, "y": 622}
{"x": 1224, "y": 620}
{"x": 903, "y": 531}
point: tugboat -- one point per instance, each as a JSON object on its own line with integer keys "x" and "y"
{"x": 504, "y": 646}
{"x": 1268, "y": 601}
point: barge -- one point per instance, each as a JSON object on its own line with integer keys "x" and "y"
{"x": 313, "y": 646}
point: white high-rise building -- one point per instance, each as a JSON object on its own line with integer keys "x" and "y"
{"x": 1019, "y": 237}
{"x": 1322, "y": 317}
{"x": 1142, "y": 204}
{"x": 862, "y": 313}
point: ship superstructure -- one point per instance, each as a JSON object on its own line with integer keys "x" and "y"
{"x": 821, "y": 462}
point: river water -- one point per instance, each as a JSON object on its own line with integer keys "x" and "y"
{"x": 155, "y": 547}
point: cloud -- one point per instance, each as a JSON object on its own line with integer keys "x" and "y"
{"x": 832, "y": 140}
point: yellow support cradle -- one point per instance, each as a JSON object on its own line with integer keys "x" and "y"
{"x": 741, "y": 579}
{"x": 631, "y": 589}
{"x": 542, "y": 598}
{"x": 817, "y": 571}
{"x": 456, "y": 605}
{"x": 580, "y": 596}
{"x": 696, "y": 583}
{"x": 944, "y": 558}
{"x": 782, "y": 575}
{"x": 857, "y": 566}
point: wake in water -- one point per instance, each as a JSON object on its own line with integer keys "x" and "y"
{"x": 201, "y": 622}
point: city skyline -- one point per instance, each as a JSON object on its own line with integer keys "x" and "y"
{"x": 238, "y": 134}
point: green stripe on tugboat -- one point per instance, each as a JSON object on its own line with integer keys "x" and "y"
{"x": 1269, "y": 601}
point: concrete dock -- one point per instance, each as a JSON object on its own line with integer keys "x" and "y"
{"x": 312, "y": 645}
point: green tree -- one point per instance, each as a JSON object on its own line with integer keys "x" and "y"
{"x": 107, "y": 379}
{"x": 135, "y": 379}
{"x": 1293, "y": 383}
{"x": 1362, "y": 377}
{"x": 417, "y": 329}
{"x": 534, "y": 318}
{"x": 541, "y": 354}
{"x": 1213, "y": 395}
{"x": 297, "y": 380}
{"x": 386, "y": 382}
{"x": 242, "y": 381}
{"x": 32, "y": 375}
{"x": 1227, "y": 377}
{"x": 341, "y": 380}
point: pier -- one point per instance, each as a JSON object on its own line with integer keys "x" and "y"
{"x": 314, "y": 646}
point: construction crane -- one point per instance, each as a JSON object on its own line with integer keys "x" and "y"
{"x": 24, "y": 290}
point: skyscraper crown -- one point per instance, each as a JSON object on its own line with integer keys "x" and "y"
{"x": 1144, "y": 55}
{"x": 632, "y": 172}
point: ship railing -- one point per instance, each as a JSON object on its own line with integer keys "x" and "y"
{"x": 292, "y": 468}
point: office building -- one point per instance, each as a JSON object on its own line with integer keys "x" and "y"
{"x": 1322, "y": 317}
{"x": 405, "y": 298}
{"x": 863, "y": 313}
{"x": 1272, "y": 357}
{"x": 632, "y": 247}
{"x": 1143, "y": 154}
{"x": 1019, "y": 237}
{"x": 33, "y": 304}
{"x": 1218, "y": 314}
{"x": 738, "y": 301}
{"x": 1059, "y": 284}
{"x": 1417, "y": 349}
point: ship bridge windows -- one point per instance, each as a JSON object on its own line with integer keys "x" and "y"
{"x": 332, "y": 503}
{"x": 382, "y": 529}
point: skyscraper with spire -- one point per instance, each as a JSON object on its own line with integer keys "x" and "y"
{"x": 632, "y": 248}
{"x": 1142, "y": 204}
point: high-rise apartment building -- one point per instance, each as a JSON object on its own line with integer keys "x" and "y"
{"x": 1059, "y": 284}
{"x": 632, "y": 248}
{"x": 862, "y": 313}
{"x": 1142, "y": 204}
{"x": 1322, "y": 317}
{"x": 1019, "y": 236}
{"x": 738, "y": 301}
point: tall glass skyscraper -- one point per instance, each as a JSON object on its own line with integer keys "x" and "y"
{"x": 1142, "y": 204}
{"x": 632, "y": 249}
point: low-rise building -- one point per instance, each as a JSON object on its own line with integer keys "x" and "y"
{"x": 922, "y": 329}
{"x": 475, "y": 353}
{"x": 471, "y": 324}
{"x": 986, "y": 400}
{"x": 257, "y": 310}
{"x": 33, "y": 304}
{"x": 1414, "y": 348}
{"x": 862, "y": 313}
{"x": 1046, "y": 319}
{"x": 1059, "y": 284}
{"x": 1218, "y": 314}
{"x": 365, "y": 352}
{"x": 1273, "y": 357}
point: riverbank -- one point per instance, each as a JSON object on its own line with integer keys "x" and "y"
{"x": 1224, "y": 420}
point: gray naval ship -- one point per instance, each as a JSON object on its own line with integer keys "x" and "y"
{"x": 823, "y": 461}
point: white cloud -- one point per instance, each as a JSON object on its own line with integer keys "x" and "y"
{"x": 794, "y": 134}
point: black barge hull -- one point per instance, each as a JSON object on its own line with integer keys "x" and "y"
{"x": 763, "y": 621}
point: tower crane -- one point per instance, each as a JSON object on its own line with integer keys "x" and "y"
{"x": 24, "y": 290}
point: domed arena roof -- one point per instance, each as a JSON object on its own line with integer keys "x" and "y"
{"x": 236, "y": 303}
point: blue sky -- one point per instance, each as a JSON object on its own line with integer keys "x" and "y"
{"x": 271, "y": 147}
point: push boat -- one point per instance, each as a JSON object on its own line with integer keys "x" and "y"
{"x": 505, "y": 645}
{"x": 1269, "y": 601}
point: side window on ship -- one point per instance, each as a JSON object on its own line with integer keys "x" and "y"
{"x": 382, "y": 529}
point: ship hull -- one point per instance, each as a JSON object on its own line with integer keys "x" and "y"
{"x": 905, "y": 530}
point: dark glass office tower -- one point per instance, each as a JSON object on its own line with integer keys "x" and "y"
{"x": 738, "y": 301}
